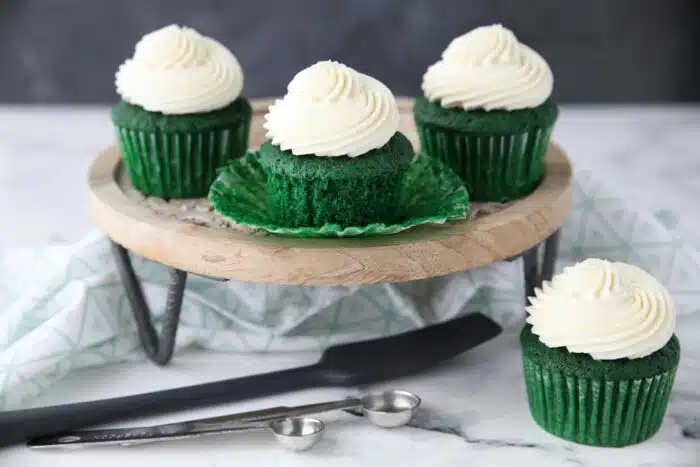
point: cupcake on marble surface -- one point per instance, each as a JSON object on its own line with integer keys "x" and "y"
{"x": 600, "y": 354}
{"x": 486, "y": 112}
{"x": 334, "y": 155}
{"x": 181, "y": 114}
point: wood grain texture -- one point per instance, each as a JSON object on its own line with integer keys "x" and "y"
{"x": 417, "y": 253}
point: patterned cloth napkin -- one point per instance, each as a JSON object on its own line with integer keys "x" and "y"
{"x": 63, "y": 307}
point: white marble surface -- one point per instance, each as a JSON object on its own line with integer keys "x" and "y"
{"x": 475, "y": 411}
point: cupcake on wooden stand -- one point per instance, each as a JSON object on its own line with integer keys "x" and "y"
{"x": 181, "y": 114}
{"x": 486, "y": 112}
{"x": 335, "y": 165}
{"x": 334, "y": 155}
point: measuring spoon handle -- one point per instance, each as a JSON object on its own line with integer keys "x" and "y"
{"x": 245, "y": 421}
{"x": 137, "y": 435}
{"x": 276, "y": 413}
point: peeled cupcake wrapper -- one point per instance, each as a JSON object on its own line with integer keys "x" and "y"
{"x": 180, "y": 165}
{"x": 495, "y": 168}
{"x": 431, "y": 194}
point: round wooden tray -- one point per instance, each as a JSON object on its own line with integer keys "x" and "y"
{"x": 417, "y": 253}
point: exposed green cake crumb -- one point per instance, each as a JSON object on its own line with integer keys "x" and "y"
{"x": 348, "y": 191}
{"x": 582, "y": 364}
{"x": 490, "y": 122}
{"x": 133, "y": 117}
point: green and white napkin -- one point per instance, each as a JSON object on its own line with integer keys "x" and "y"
{"x": 63, "y": 308}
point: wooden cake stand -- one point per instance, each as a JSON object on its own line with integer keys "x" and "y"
{"x": 224, "y": 253}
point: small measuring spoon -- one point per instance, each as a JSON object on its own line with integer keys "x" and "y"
{"x": 387, "y": 409}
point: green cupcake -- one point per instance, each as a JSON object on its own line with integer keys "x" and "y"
{"x": 487, "y": 113}
{"x": 334, "y": 155}
{"x": 348, "y": 191}
{"x": 181, "y": 116}
{"x": 599, "y": 354}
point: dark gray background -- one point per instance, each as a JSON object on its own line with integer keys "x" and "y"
{"x": 63, "y": 51}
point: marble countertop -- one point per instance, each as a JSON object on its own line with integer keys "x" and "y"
{"x": 475, "y": 409}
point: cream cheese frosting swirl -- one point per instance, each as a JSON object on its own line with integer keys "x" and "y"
{"x": 488, "y": 68}
{"x": 606, "y": 309}
{"x": 175, "y": 70}
{"x": 332, "y": 110}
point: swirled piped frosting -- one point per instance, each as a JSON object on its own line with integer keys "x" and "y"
{"x": 175, "y": 70}
{"x": 606, "y": 309}
{"x": 487, "y": 68}
{"x": 332, "y": 110}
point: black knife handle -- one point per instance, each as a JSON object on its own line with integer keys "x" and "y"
{"x": 17, "y": 426}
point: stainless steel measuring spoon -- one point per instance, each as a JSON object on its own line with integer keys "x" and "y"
{"x": 386, "y": 409}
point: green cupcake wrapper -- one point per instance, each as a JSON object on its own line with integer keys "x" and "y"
{"x": 596, "y": 411}
{"x": 431, "y": 194}
{"x": 494, "y": 168}
{"x": 180, "y": 165}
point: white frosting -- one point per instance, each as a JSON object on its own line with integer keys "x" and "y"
{"x": 332, "y": 110}
{"x": 605, "y": 309}
{"x": 488, "y": 68}
{"x": 176, "y": 70}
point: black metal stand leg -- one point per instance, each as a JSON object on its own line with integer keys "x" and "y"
{"x": 536, "y": 273}
{"x": 159, "y": 349}
{"x": 531, "y": 271}
{"x": 549, "y": 257}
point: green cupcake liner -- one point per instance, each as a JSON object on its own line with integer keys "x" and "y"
{"x": 495, "y": 168}
{"x": 595, "y": 411}
{"x": 430, "y": 194}
{"x": 180, "y": 165}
